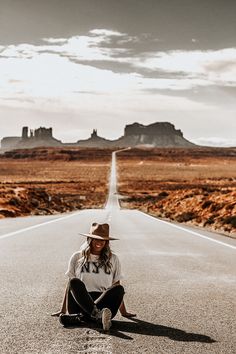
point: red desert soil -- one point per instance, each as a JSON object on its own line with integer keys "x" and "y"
{"x": 195, "y": 186}
{"x": 44, "y": 181}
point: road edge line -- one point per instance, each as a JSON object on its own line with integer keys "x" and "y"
{"x": 13, "y": 233}
{"x": 189, "y": 231}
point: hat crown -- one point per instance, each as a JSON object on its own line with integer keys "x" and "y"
{"x": 100, "y": 230}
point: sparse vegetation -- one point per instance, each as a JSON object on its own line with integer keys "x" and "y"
{"x": 47, "y": 181}
{"x": 196, "y": 186}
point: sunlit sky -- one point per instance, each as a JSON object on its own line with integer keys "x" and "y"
{"x": 76, "y": 65}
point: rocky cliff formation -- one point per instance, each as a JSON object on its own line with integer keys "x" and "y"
{"x": 153, "y": 135}
{"x": 28, "y": 140}
{"x": 95, "y": 141}
{"x": 160, "y": 134}
{"x": 136, "y": 134}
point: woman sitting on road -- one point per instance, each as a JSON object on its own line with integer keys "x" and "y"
{"x": 94, "y": 291}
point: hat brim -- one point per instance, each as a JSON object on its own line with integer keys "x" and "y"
{"x": 97, "y": 237}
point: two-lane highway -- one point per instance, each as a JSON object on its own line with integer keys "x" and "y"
{"x": 181, "y": 282}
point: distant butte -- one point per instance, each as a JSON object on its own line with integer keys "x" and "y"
{"x": 160, "y": 134}
{"x": 38, "y": 137}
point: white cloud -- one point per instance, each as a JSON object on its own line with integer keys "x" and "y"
{"x": 217, "y": 67}
{"x": 198, "y": 68}
{"x": 106, "y": 33}
{"x": 55, "y": 40}
{"x": 50, "y": 82}
{"x": 48, "y": 78}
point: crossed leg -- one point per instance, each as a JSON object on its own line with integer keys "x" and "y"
{"x": 80, "y": 300}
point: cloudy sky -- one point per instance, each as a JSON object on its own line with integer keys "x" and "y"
{"x": 76, "y": 65}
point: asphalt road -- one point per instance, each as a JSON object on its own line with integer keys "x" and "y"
{"x": 181, "y": 282}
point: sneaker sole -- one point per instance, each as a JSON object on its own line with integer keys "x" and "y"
{"x": 106, "y": 319}
{"x": 69, "y": 321}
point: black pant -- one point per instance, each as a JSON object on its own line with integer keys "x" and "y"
{"x": 79, "y": 300}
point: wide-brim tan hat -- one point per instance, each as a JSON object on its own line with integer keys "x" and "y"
{"x": 99, "y": 232}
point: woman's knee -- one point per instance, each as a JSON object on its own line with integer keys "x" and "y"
{"x": 75, "y": 283}
{"x": 119, "y": 289}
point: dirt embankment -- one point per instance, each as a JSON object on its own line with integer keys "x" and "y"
{"x": 53, "y": 180}
{"x": 195, "y": 186}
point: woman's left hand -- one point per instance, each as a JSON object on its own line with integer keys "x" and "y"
{"x": 128, "y": 314}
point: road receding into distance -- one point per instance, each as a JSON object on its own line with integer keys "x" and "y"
{"x": 180, "y": 281}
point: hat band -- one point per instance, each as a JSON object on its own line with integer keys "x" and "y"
{"x": 100, "y": 234}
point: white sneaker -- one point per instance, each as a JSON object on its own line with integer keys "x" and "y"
{"x": 106, "y": 319}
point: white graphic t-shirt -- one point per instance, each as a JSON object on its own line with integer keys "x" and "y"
{"x": 94, "y": 277}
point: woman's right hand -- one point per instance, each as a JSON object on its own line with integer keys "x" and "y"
{"x": 57, "y": 314}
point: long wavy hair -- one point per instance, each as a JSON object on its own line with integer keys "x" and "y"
{"x": 104, "y": 257}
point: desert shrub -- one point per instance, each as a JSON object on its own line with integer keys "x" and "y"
{"x": 8, "y": 154}
{"x": 206, "y": 204}
{"x": 230, "y": 206}
{"x": 14, "y": 201}
{"x": 209, "y": 221}
{"x": 225, "y": 191}
{"x": 7, "y": 213}
{"x": 35, "y": 203}
{"x": 186, "y": 216}
{"x": 230, "y": 220}
{"x": 190, "y": 195}
{"x": 17, "y": 156}
{"x": 205, "y": 194}
{"x": 215, "y": 206}
{"x": 168, "y": 214}
{"x": 163, "y": 194}
{"x": 209, "y": 189}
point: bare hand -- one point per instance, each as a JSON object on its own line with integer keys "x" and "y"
{"x": 56, "y": 314}
{"x": 129, "y": 315}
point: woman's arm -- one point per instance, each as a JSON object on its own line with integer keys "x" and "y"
{"x": 124, "y": 312}
{"x": 63, "y": 305}
{"x": 122, "y": 307}
{"x": 71, "y": 274}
